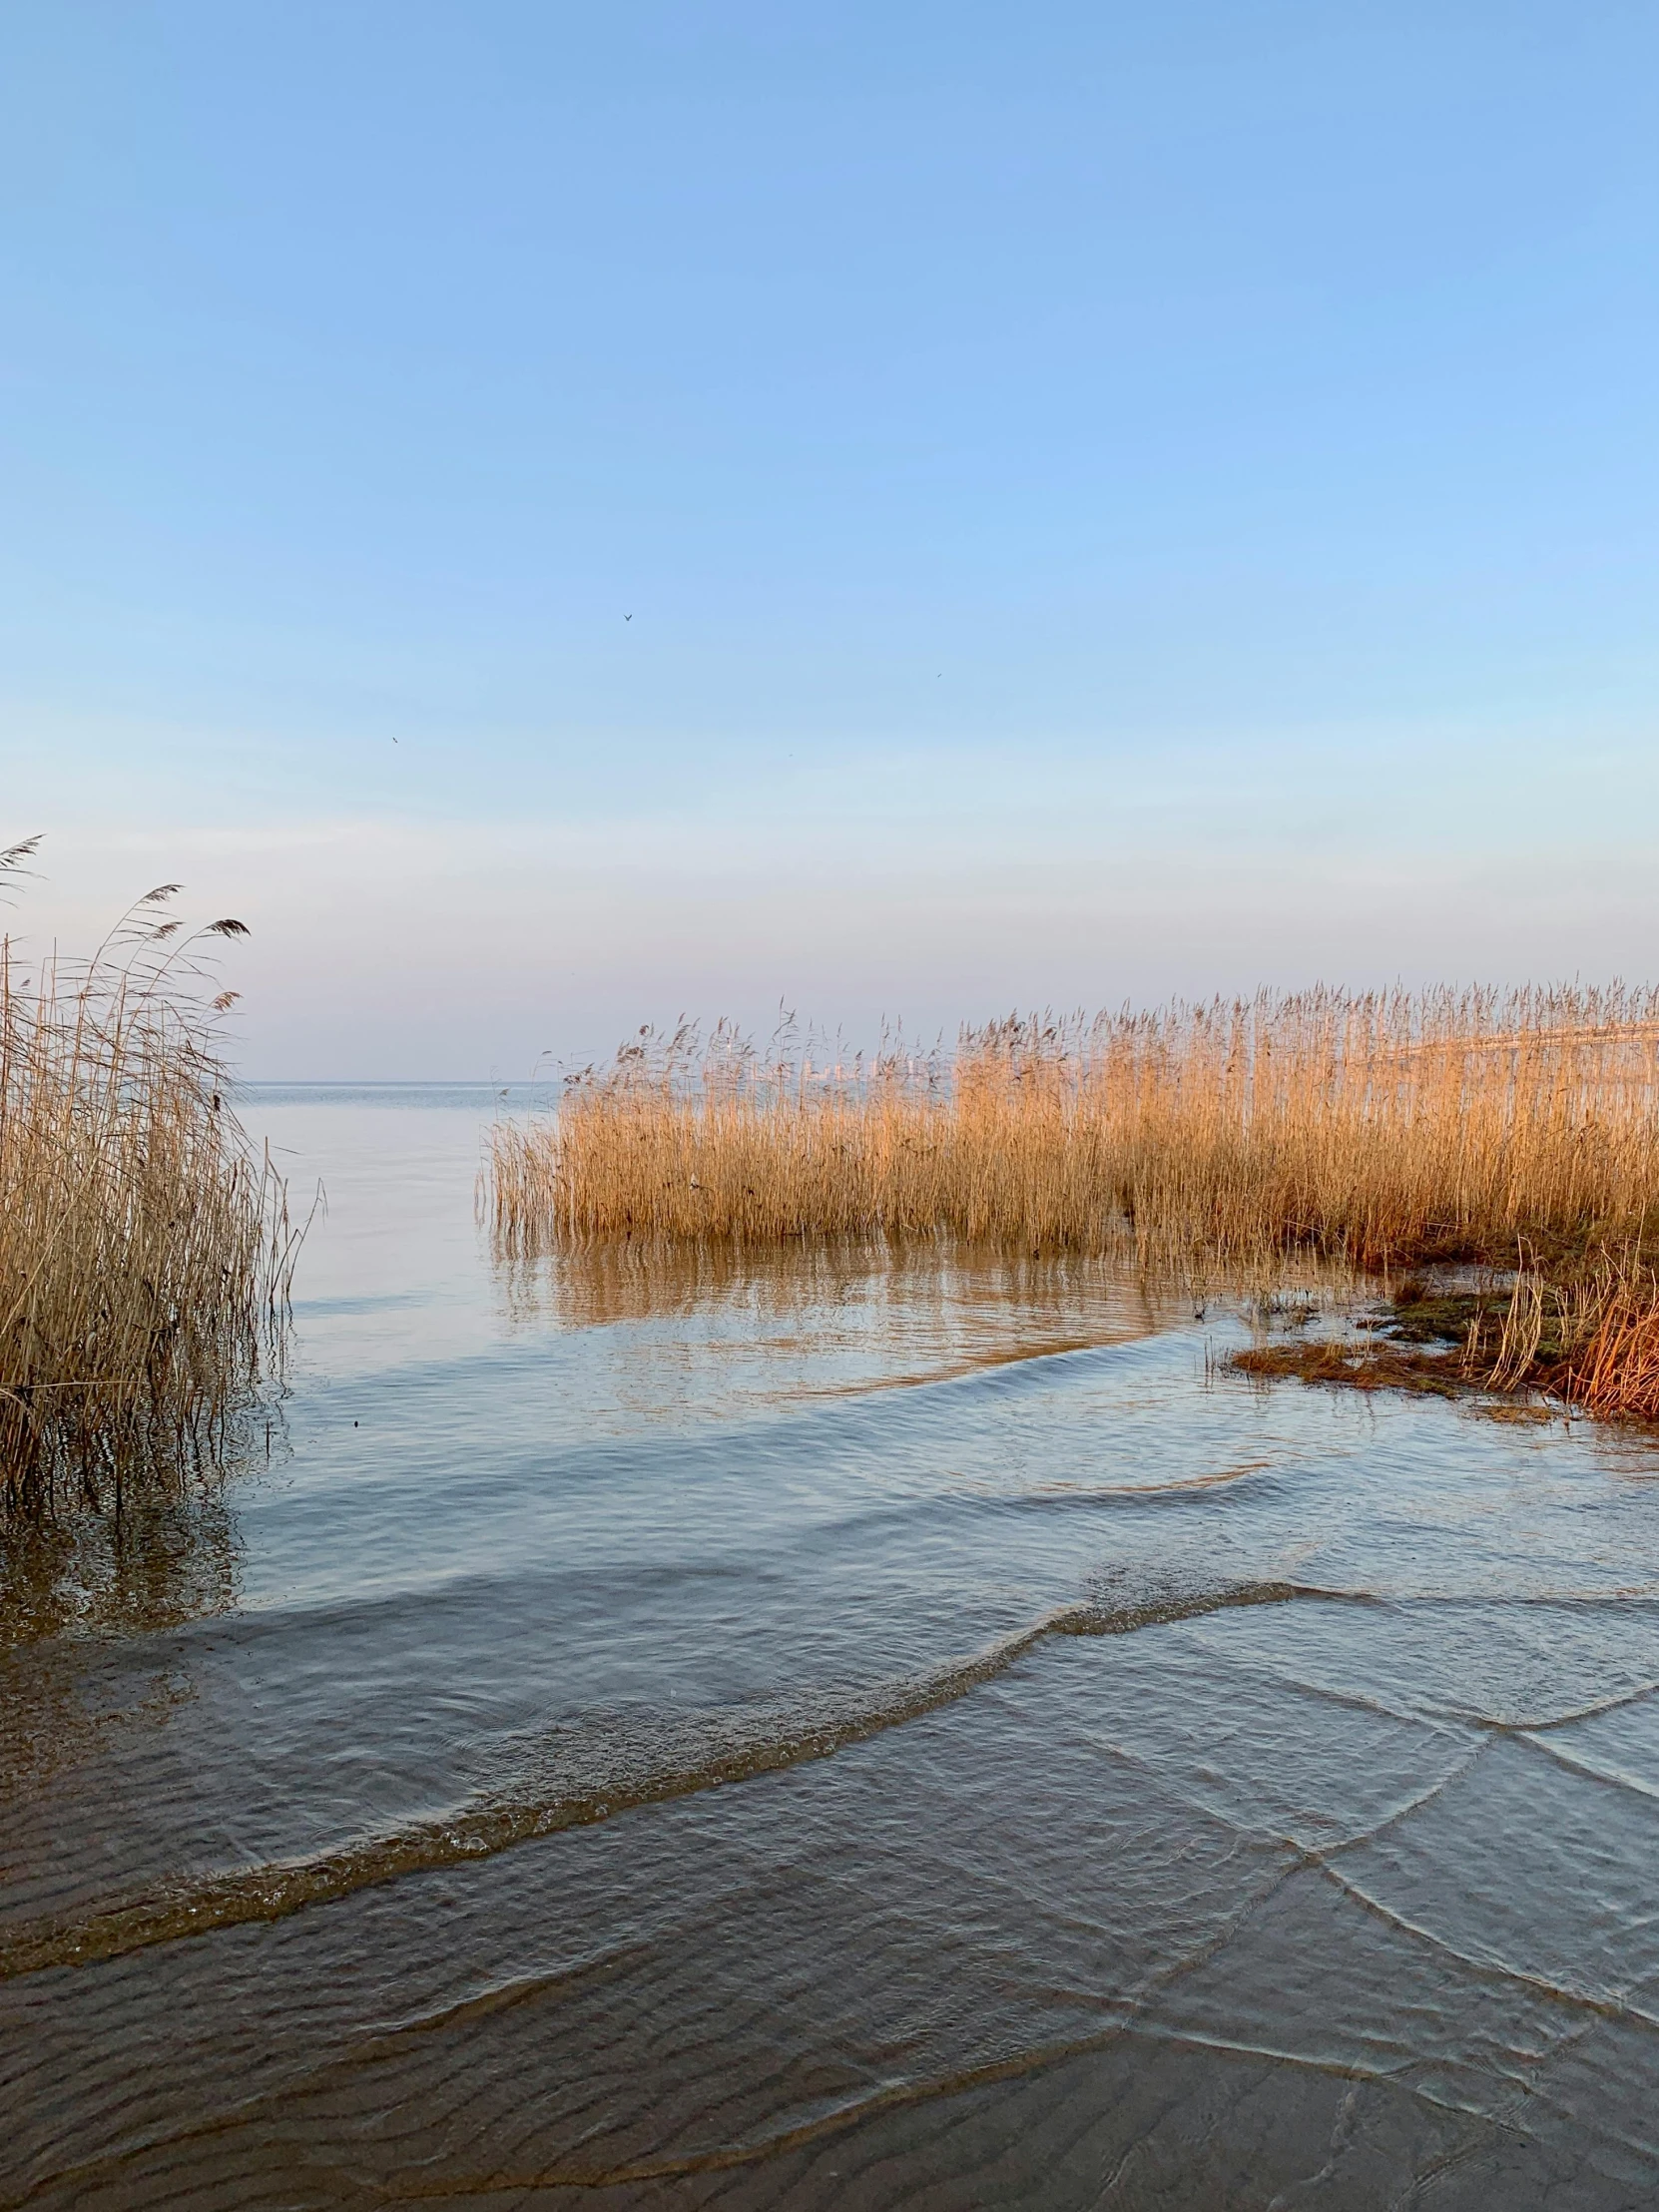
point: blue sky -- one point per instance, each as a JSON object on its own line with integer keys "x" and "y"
{"x": 1110, "y": 501}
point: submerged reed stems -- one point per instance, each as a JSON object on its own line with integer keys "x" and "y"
{"x": 145, "y": 1248}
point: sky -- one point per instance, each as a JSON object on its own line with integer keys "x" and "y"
{"x": 561, "y": 517}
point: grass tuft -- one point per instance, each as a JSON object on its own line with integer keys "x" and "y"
{"x": 145, "y": 1249}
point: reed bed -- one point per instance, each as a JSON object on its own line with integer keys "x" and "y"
{"x": 145, "y": 1249}
{"x": 1378, "y": 1129}
{"x": 1368, "y": 1131}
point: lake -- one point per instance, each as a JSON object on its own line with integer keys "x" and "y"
{"x": 837, "y": 1730}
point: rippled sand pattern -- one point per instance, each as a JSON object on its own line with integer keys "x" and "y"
{"x": 759, "y": 1747}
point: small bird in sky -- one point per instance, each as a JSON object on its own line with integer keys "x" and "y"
{"x": 627, "y": 618}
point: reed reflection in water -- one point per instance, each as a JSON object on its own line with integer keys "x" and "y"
{"x": 73, "y": 1586}
{"x": 726, "y": 1327}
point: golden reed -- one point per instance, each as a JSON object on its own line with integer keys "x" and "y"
{"x": 1380, "y": 1128}
{"x": 144, "y": 1251}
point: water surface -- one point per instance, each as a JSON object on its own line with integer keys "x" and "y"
{"x": 847, "y": 1730}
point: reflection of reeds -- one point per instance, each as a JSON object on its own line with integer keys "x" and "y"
{"x": 167, "y": 1559}
{"x": 1373, "y": 1128}
{"x": 143, "y": 1247}
{"x": 604, "y": 1282}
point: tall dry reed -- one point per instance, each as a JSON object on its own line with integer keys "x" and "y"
{"x": 1590, "y": 1338}
{"x": 1372, "y": 1127}
{"x": 145, "y": 1250}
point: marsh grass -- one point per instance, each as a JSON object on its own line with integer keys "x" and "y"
{"x": 1591, "y": 1337}
{"x": 1588, "y": 1339}
{"x": 144, "y": 1247}
{"x": 1370, "y": 1131}
{"x": 1382, "y": 1129}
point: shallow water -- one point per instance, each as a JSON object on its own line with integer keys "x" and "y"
{"x": 835, "y": 1731}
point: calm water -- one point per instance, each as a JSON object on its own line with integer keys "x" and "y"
{"x": 835, "y": 1733}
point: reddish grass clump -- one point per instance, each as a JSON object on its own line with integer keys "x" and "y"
{"x": 1615, "y": 1373}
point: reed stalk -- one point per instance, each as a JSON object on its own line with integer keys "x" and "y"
{"x": 145, "y": 1248}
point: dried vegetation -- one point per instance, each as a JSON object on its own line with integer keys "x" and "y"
{"x": 1379, "y": 1130}
{"x": 144, "y": 1249}
{"x": 1590, "y": 1340}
